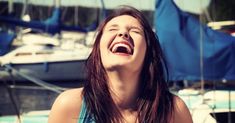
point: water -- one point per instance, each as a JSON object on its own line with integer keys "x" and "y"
{"x": 28, "y": 97}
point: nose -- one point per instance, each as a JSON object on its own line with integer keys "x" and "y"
{"x": 124, "y": 34}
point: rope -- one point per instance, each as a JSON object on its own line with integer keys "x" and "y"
{"x": 44, "y": 84}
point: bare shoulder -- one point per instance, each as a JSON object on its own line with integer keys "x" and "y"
{"x": 70, "y": 98}
{"x": 66, "y": 107}
{"x": 181, "y": 112}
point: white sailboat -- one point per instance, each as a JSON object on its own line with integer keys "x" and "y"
{"x": 47, "y": 62}
{"x": 46, "y": 57}
{"x": 212, "y": 107}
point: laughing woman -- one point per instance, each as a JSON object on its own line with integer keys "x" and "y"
{"x": 126, "y": 81}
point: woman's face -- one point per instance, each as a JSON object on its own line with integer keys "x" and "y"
{"x": 122, "y": 44}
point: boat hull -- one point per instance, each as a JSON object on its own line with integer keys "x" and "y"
{"x": 48, "y": 71}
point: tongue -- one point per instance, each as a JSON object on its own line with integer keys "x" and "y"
{"x": 121, "y": 50}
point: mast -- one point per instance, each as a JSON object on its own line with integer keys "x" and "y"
{"x": 57, "y": 3}
{"x": 10, "y": 6}
{"x": 201, "y": 55}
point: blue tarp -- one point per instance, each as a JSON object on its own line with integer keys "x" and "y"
{"x": 186, "y": 42}
{"x": 52, "y": 25}
{"x": 5, "y": 42}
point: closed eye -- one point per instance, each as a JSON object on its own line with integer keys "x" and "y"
{"x": 136, "y": 31}
{"x": 112, "y": 29}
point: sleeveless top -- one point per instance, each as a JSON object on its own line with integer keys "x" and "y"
{"x": 84, "y": 117}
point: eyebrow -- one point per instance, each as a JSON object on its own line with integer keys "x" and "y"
{"x": 113, "y": 25}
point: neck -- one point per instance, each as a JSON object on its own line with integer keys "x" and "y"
{"x": 124, "y": 88}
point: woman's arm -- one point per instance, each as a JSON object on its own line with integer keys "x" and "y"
{"x": 66, "y": 107}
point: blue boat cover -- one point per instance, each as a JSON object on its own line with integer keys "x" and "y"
{"x": 5, "y": 42}
{"x": 52, "y": 25}
{"x": 186, "y": 42}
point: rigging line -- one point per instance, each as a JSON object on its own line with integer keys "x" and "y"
{"x": 202, "y": 65}
{"x": 24, "y": 9}
{"x": 46, "y": 85}
{"x": 57, "y": 3}
{"x": 103, "y": 9}
{"x": 229, "y": 107}
{"x": 213, "y": 46}
{"x": 13, "y": 101}
{"x": 63, "y": 13}
{"x": 208, "y": 17}
{"x": 76, "y": 16}
{"x": 213, "y": 63}
{"x": 201, "y": 55}
{"x": 10, "y": 6}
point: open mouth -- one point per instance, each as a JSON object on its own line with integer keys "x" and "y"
{"x": 122, "y": 47}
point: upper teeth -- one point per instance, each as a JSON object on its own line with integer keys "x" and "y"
{"x": 115, "y": 47}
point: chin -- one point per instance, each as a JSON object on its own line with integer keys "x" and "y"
{"x": 120, "y": 66}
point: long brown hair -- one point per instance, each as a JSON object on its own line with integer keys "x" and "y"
{"x": 155, "y": 102}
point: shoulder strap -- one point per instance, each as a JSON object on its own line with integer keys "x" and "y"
{"x": 82, "y": 113}
{"x": 84, "y": 117}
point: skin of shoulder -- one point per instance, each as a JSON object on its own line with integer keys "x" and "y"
{"x": 66, "y": 107}
{"x": 181, "y": 112}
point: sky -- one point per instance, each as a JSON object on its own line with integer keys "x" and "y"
{"x": 194, "y": 6}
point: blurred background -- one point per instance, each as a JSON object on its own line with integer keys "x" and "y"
{"x": 44, "y": 45}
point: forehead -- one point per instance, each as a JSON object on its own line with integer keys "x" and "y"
{"x": 124, "y": 20}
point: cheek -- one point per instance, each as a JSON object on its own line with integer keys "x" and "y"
{"x": 103, "y": 48}
{"x": 102, "y": 42}
{"x": 141, "y": 47}
{"x": 103, "y": 45}
{"x": 105, "y": 40}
